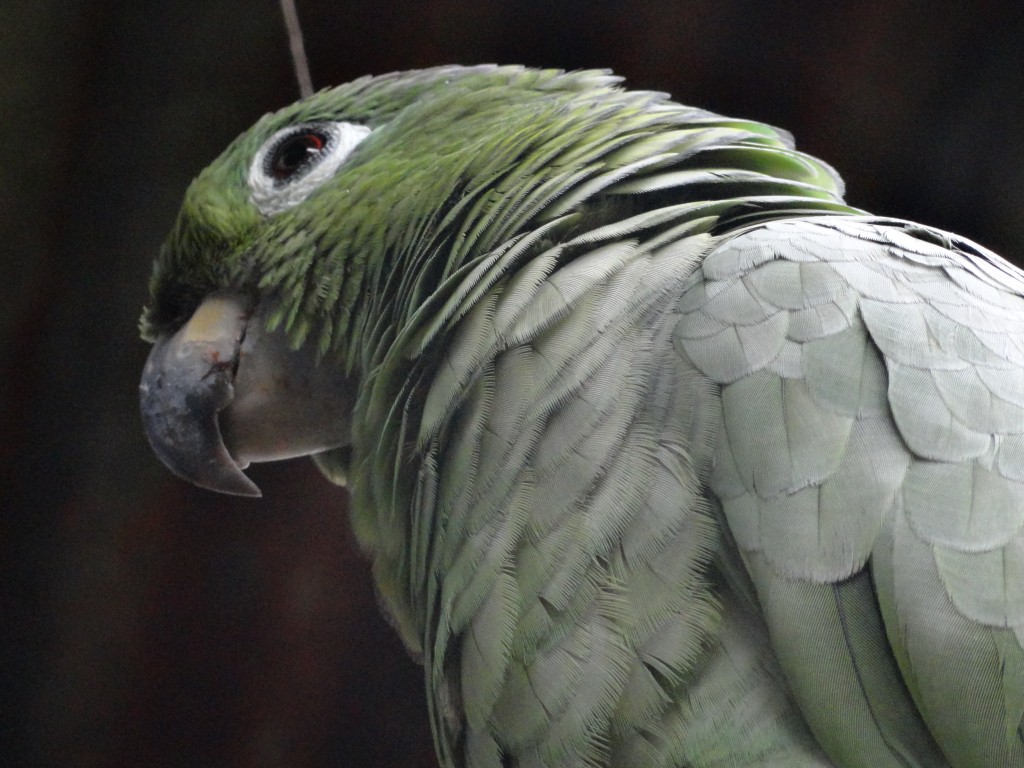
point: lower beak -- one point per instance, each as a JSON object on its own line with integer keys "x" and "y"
{"x": 222, "y": 392}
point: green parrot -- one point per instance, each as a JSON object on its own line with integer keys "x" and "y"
{"x": 663, "y": 454}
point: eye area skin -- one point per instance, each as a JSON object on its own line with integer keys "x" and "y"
{"x": 297, "y": 160}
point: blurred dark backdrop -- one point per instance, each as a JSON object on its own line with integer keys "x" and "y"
{"x": 148, "y": 623}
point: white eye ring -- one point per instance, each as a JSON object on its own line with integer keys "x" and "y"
{"x": 296, "y": 160}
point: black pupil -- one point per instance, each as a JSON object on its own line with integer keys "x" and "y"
{"x": 295, "y": 152}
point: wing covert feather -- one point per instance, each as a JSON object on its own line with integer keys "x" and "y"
{"x": 900, "y": 413}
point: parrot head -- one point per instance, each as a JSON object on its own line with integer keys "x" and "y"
{"x": 318, "y": 263}
{"x": 307, "y": 248}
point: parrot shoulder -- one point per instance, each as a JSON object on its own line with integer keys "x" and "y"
{"x": 870, "y": 373}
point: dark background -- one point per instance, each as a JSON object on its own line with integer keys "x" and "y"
{"x": 148, "y": 623}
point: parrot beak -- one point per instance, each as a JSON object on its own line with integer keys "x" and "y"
{"x": 223, "y": 392}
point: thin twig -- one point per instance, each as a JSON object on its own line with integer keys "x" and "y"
{"x": 298, "y": 49}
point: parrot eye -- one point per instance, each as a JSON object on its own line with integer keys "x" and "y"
{"x": 294, "y": 152}
{"x": 297, "y": 160}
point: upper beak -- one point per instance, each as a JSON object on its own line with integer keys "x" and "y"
{"x": 222, "y": 392}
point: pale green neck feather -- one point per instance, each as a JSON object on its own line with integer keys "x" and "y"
{"x": 661, "y": 172}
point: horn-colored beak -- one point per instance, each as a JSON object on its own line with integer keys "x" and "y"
{"x": 222, "y": 392}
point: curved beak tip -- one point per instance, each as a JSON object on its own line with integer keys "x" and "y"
{"x": 183, "y": 430}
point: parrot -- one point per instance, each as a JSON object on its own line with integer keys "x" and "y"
{"x": 661, "y": 454}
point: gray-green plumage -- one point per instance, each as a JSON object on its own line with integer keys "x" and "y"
{"x": 664, "y": 455}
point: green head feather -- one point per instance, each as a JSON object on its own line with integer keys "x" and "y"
{"x": 459, "y": 162}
